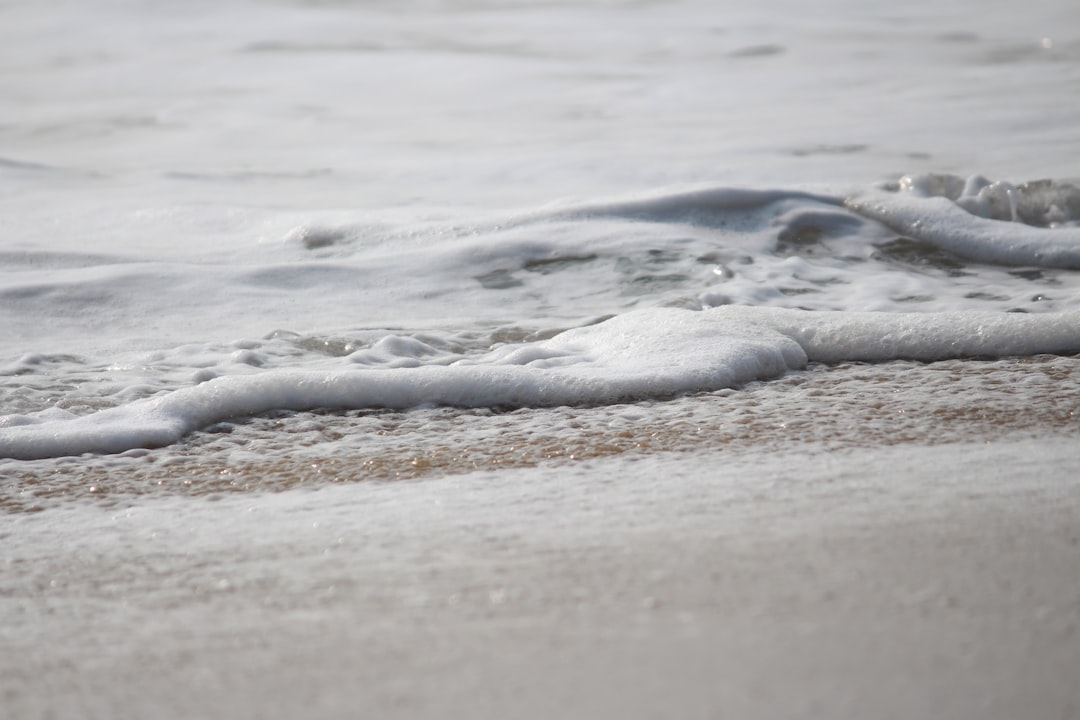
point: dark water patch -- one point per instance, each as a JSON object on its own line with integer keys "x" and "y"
{"x": 758, "y": 51}
{"x": 805, "y": 232}
{"x": 724, "y": 264}
{"x": 985, "y": 296}
{"x": 1027, "y": 274}
{"x": 662, "y": 257}
{"x": 1039, "y": 275}
{"x": 651, "y": 272}
{"x": 651, "y": 259}
{"x": 12, "y": 164}
{"x": 649, "y": 284}
{"x": 920, "y": 255}
{"x": 719, "y": 258}
{"x": 300, "y": 277}
{"x": 802, "y": 241}
{"x": 547, "y": 266}
{"x": 318, "y": 238}
{"x": 498, "y": 280}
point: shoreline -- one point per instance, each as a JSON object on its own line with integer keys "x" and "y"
{"x": 841, "y": 407}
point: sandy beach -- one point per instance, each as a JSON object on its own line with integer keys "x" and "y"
{"x": 795, "y": 579}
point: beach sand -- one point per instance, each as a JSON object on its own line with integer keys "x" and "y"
{"x": 866, "y": 563}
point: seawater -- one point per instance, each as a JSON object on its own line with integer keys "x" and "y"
{"x": 220, "y": 211}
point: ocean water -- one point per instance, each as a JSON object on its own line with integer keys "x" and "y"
{"x": 232, "y": 230}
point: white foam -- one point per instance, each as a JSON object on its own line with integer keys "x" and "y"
{"x": 876, "y": 337}
{"x": 647, "y": 353}
{"x": 949, "y": 226}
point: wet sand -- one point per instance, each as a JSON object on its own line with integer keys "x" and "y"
{"x": 806, "y": 575}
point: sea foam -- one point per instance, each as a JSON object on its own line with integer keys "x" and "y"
{"x": 651, "y": 353}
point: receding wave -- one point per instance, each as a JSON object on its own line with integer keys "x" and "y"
{"x": 649, "y": 353}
